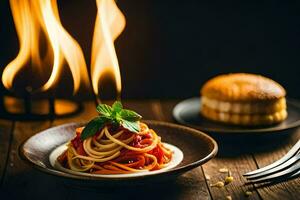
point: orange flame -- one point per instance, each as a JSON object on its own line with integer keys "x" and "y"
{"x": 110, "y": 22}
{"x": 32, "y": 17}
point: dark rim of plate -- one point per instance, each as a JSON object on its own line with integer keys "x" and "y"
{"x": 184, "y": 168}
{"x": 234, "y": 129}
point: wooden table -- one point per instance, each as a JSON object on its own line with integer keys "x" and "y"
{"x": 20, "y": 181}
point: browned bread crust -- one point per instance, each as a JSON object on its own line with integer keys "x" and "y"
{"x": 244, "y": 119}
{"x": 239, "y": 107}
{"x": 242, "y": 87}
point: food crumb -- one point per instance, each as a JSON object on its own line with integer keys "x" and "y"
{"x": 248, "y": 193}
{"x": 228, "y": 180}
{"x": 223, "y": 170}
{"x": 228, "y": 197}
{"x": 207, "y": 177}
{"x": 218, "y": 184}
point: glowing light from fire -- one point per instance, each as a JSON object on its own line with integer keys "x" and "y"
{"x": 32, "y": 17}
{"x": 110, "y": 22}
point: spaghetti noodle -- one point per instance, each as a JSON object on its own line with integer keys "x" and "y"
{"x": 116, "y": 151}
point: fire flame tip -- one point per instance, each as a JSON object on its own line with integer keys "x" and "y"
{"x": 110, "y": 22}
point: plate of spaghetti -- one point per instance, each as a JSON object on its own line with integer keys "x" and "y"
{"x": 121, "y": 152}
{"x": 118, "y": 145}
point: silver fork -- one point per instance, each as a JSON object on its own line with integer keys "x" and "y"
{"x": 286, "y": 167}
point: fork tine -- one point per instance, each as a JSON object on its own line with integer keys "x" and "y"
{"x": 276, "y": 169}
{"x": 296, "y": 174}
{"x": 291, "y": 172}
{"x": 286, "y": 157}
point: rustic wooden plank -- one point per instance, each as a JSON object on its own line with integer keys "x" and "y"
{"x": 195, "y": 178}
{"x": 273, "y": 151}
{"x": 21, "y": 181}
{"x": 29, "y": 182}
{"x": 20, "y": 177}
{"x": 237, "y": 164}
{"x": 166, "y": 107}
{"x": 188, "y": 186}
{"x": 6, "y": 128}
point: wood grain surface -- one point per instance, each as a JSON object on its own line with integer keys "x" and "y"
{"x": 20, "y": 181}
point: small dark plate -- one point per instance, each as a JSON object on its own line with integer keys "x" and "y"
{"x": 197, "y": 148}
{"x": 187, "y": 112}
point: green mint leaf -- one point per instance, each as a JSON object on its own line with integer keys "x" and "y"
{"x": 131, "y": 126}
{"x": 104, "y": 109}
{"x": 117, "y": 107}
{"x": 93, "y": 126}
{"x": 129, "y": 115}
{"x": 114, "y": 115}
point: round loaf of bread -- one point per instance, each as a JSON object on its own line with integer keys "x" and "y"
{"x": 243, "y": 99}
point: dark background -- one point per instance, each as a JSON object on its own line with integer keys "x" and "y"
{"x": 169, "y": 49}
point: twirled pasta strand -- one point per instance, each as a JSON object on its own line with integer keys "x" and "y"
{"x": 102, "y": 153}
